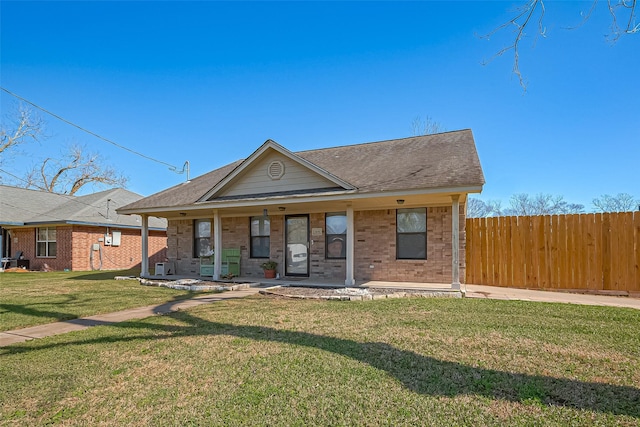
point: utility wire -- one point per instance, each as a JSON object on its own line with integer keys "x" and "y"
{"x": 171, "y": 167}
{"x": 23, "y": 180}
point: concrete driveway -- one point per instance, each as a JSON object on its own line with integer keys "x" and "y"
{"x": 494, "y": 292}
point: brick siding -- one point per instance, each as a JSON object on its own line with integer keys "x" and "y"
{"x": 74, "y": 248}
{"x": 375, "y": 247}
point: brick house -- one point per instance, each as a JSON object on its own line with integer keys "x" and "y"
{"x": 77, "y": 233}
{"x": 391, "y": 210}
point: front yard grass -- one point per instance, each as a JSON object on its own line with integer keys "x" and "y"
{"x": 269, "y": 361}
{"x": 29, "y": 299}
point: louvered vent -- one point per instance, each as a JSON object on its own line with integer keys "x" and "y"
{"x": 276, "y": 170}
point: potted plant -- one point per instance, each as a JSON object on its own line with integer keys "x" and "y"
{"x": 269, "y": 268}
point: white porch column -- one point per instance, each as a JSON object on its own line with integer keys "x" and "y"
{"x": 144, "y": 263}
{"x": 217, "y": 245}
{"x": 455, "y": 242}
{"x": 350, "y": 280}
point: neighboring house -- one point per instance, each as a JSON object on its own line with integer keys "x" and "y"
{"x": 75, "y": 232}
{"x": 376, "y": 211}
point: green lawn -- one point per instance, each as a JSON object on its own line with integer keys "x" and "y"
{"x": 28, "y": 299}
{"x": 269, "y": 361}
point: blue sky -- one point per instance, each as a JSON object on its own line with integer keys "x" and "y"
{"x": 209, "y": 82}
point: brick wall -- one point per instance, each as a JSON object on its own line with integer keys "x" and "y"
{"x": 180, "y": 246}
{"x": 235, "y": 234}
{"x": 320, "y": 267}
{"x": 375, "y": 248}
{"x": 24, "y": 239}
{"x": 375, "y": 245}
{"x": 74, "y": 248}
{"x": 125, "y": 256}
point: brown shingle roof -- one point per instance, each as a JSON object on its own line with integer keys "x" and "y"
{"x": 185, "y": 193}
{"x": 430, "y": 161}
{"x": 440, "y": 160}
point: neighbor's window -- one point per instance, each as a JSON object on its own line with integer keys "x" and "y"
{"x": 202, "y": 238}
{"x": 411, "y": 233}
{"x": 260, "y": 237}
{"x": 46, "y": 242}
{"x": 336, "y": 235}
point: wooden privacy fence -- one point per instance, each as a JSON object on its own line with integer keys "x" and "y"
{"x": 593, "y": 252}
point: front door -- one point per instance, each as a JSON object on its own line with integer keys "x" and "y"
{"x": 297, "y": 240}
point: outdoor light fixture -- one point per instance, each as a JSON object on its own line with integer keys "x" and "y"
{"x": 183, "y": 214}
{"x": 400, "y": 201}
{"x": 265, "y": 213}
{"x": 281, "y": 208}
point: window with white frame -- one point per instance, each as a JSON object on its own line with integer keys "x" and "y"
{"x": 411, "y": 233}
{"x": 260, "y": 237}
{"x": 202, "y": 238}
{"x": 336, "y": 235}
{"x": 46, "y": 245}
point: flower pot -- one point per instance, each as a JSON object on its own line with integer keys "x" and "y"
{"x": 269, "y": 274}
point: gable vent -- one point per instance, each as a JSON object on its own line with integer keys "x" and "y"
{"x": 275, "y": 170}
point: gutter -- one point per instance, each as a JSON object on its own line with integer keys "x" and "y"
{"x": 303, "y": 198}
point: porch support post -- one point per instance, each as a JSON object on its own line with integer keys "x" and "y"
{"x": 217, "y": 245}
{"x": 455, "y": 242}
{"x": 350, "y": 280}
{"x": 1, "y": 249}
{"x": 144, "y": 262}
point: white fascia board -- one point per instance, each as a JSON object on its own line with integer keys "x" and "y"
{"x": 304, "y": 198}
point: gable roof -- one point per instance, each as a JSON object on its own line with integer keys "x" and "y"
{"x": 19, "y": 206}
{"x": 446, "y": 160}
{"x": 260, "y": 152}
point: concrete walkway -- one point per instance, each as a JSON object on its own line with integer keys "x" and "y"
{"x": 472, "y": 291}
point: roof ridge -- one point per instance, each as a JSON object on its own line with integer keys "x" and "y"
{"x": 383, "y": 141}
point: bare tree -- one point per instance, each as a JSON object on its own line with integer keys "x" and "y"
{"x": 73, "y": 171}
{"x": 477, "y": 208}
{"x": 532, "y": 12}
{"x": 540, "y": 204}
{"x": 426, "y": 126}
{"x": 622, "y": 202}
{"x": 66, "y": 175}
{"x": 20, "y": 127}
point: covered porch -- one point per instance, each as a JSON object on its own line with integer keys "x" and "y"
{"x": 355, "y": 249}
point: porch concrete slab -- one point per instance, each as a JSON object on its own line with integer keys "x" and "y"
{"x": 50, "y": 329}
{"x": 471, "y": 291}
{"x": 407, "y": 285}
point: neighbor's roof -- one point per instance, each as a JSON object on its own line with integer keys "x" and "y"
{"x": 444, "y": 160}
{"x": 19, "y": 206}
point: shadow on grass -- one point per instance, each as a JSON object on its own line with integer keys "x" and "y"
{"x": 29, "y": 310}
{"x": 418, "y": 373}
{"x": 32, "y": 312}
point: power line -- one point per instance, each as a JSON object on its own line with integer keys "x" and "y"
{"x": 171, "y": 167}
{"x": 22, "y": 179}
